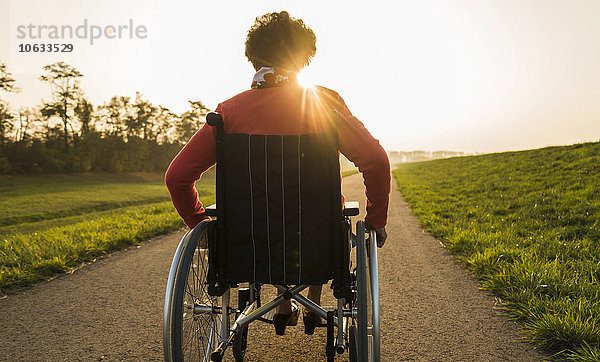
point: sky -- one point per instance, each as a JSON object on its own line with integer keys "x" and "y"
{"x": 461, "y": 75}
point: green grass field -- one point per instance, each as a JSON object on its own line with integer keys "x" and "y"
{"x": 528, "y": 225}
{"x": 52, "y": 223}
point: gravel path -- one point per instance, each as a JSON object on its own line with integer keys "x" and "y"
{"x": 432, "y": 309}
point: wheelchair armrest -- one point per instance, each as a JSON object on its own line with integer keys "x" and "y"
{"x": 211, "y": 210}
{"x": 351, "y": 208}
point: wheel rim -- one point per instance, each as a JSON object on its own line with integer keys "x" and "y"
{"x": 369, "y": 305}
{"x": 362, "y": 298}
{"x": 374, "y": 312}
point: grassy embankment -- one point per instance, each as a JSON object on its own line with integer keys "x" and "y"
{"x": 528, "y": 225}
{"x": 52, "y": 223}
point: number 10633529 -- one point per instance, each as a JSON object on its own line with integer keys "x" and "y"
{"x": 45, "y": 48}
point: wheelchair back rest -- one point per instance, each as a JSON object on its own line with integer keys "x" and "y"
{"x": 282, "y": 207}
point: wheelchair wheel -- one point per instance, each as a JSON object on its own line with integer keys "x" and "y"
{"x": 195, "y": 323}
{"x": 375, "y": 331}
{"x": 362, "y": 343}
{"x": 367, "y": 297}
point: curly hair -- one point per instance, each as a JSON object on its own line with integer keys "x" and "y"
{"x": 276, "y": 39}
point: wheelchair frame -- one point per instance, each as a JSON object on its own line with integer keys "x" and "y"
{"x": 196, "y": 324}
{"x": 359, "y": 331}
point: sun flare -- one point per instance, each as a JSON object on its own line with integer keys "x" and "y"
{"x": 304, "y": 80}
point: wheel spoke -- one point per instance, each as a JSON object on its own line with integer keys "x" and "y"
{"x": 190, "y": 330}
{"x": 205, "y": 339}
{"x": 190, "y": 294}
{"x": 192, "y": 345}
{"x": 194, "y": 276}
{"x": 188, "y": 291}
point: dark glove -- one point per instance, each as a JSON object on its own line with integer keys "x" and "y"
{"x": 380, "y": 233}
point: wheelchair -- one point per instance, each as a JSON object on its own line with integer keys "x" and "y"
{"x": 277, "y": 221}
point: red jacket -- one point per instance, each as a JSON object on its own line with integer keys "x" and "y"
{"x": 282, "y": 110}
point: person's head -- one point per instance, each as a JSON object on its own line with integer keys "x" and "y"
{"x": 278, "y": 40}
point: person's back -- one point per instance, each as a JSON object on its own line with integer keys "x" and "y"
{"x": 278, "y": 47}
{"x": 279, "y": 110}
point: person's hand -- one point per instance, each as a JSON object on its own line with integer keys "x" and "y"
{"x": 380, "y": 233}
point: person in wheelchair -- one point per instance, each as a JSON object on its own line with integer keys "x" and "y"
{"x": 279, "y": 46}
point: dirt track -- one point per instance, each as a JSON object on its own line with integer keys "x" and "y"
{"x": 112, "y": 309}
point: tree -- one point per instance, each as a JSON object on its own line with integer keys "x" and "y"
{"x": 7, "y": 84}
{"x": 63, "y": 80}
{"x": 113, "y": 116}
{"x": 191, "y": 121}
{"x": 163, "y": 124}
{"x": 143, "y": 123}
{"x": 6, "y": 125}
{"x": 84, "y": 111}
{"x": 24, "y": 123}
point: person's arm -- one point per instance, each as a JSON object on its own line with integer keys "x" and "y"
{"x": 360, "y": 147}
{"x": 198, "y": 155}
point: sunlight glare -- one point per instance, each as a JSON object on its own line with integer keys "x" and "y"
{"x": 305, "y": 80}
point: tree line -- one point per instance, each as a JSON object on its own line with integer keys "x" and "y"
{"x": 67, "y": 133}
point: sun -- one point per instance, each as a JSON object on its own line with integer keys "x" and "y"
{"x": 304, "y": 79}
